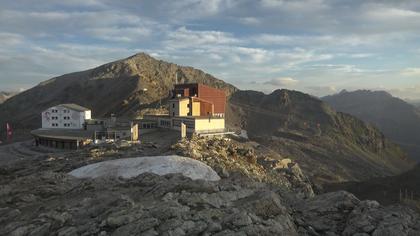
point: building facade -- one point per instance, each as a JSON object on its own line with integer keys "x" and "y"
{"x": 212, "y": 101}
{"x": 200, "y": 108}
{"x": 71, "y": 126}
{"x": 65, "y": 116}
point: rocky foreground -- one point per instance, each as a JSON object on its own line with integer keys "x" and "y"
{"x": 254, "y": 197}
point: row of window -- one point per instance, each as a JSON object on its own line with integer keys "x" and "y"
{"x": 56, "y": 111}
{"x": 148, "y": 126}
{"x": 56, "y": 125}
{"x": 56, "y": 117}
{"x": 165, "y": 123}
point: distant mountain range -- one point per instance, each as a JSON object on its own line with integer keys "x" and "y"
{"x": 330, "y": 146}
{"x": 397, "y": 119}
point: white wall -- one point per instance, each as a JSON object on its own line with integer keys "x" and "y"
{"x": 59, "y": 117}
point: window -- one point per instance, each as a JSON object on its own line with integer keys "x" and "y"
{"x": 173, "y": 113}
{"x": 173, "y": 105}
{"x": 165, "y": 123}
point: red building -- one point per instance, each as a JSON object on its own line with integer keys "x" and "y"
{"x": 213, "y": 101}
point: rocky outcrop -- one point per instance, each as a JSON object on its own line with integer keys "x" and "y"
{"x": 228, "y": 156}
{"x": 341, "y": 213}
{"x": 148, "y": 204}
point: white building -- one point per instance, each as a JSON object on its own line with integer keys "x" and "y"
{"x": 65, "y": 116}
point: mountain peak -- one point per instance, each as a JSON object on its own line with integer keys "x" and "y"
{"x": 140, "y": 56}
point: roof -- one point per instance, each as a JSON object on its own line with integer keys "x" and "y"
{"x": 74, "y": 106}
{"x": 63, "y": 134}
{"x": 179, "y": 99}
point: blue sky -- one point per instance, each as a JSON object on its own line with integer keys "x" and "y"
{"x": 315, "y": 46}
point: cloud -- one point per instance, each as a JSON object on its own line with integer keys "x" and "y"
{"x": 191, "y": 9}
{"x": 185, "y": 38}
{"x": 282, "y": 82}
{"x": 322, "y": 90}
{"x": 410, "y": 93}
{"x": 295, "y": 5}
{"x": 10, "y": 39}
{"x": 321, "y": 42}
{"x": 411, "y": 72}
{"x": 253, "y": 21}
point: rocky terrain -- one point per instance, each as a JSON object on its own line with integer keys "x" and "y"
{"x": 38, "y": 197}
{"x": 386, "y": 190}
{"x": 396, "y": 118}
{"x": 307, "y": 130}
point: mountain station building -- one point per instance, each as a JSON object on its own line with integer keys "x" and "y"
{"x": 71, "y": 126}
{"x": 201, "y": 108}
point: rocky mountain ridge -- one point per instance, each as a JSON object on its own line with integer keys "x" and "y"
{"x": 310, "y": 132}
{"x": 397, "y": 119}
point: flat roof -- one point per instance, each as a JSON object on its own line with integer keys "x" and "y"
{"x": 186, "y": 117}
{"x": 63, "y": 134}
{"x": 74, "y": 106}
{"x": 178, "y": 98}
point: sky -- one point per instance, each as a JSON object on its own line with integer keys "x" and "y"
{"x": 315, "y": 46}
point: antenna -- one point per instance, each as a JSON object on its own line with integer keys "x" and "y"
{"x": 176, "y": 77}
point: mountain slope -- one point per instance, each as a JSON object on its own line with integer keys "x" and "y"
{"x": 330, "y": 146}
{"x": 116, "y": 87}
{"x": 397, "y": 119}
{"x": 386, "y": 190}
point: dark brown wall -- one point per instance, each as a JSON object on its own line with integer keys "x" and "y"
{"x": 216, "y": 96}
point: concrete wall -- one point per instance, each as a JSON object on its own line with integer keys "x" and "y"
{"x": 196, "y": 108}
{"x": 194, "y": 124}
{"x": 179, "y": 107}
{"x": 59, "y": 117}
{"x": 209, "y": 124}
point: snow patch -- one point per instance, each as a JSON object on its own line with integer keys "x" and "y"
{"x": 161, "y": 165}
